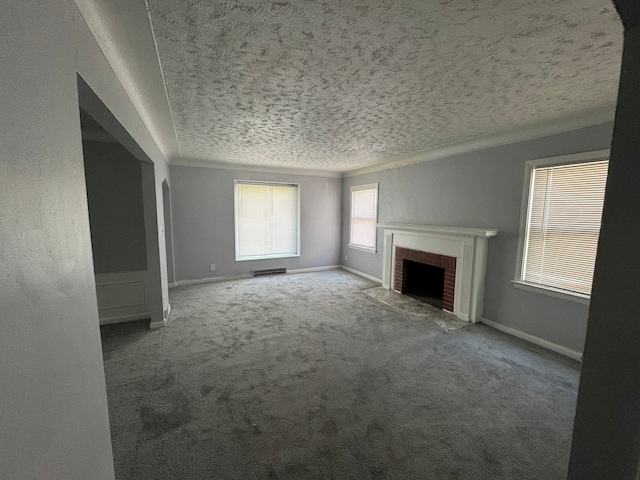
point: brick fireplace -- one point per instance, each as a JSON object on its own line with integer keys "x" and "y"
{"x": 461, "y": 252}
{"x": 448, "y": 264}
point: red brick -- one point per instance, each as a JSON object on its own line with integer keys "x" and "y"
{"x": 442, "y": 261}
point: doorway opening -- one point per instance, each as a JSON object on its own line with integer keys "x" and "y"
{"x": 121, "y": 198}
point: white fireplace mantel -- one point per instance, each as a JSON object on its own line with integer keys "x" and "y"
{"x": 467, "y": 245}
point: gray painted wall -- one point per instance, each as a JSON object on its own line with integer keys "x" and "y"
{"x": 53, "y": 405}
{"x": 116, "y": 214}
{"x": 482, "y": 189}
{"x": 124, "y": 123}
{"x": 204, "y": 232}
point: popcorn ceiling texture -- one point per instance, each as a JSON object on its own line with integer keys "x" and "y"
{"x": 341, "y": 85}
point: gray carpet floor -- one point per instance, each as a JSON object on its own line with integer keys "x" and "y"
{"x": 307, "y": 377}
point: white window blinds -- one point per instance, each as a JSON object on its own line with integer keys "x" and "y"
{"x": 266, "y": 220}
{"x": 565, "y": 209}
{"x": 364, "y": 208}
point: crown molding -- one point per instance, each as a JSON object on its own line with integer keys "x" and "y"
{"x": 589, "y": 118}
{"x": 186, "y": 162}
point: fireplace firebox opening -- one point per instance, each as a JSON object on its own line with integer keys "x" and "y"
{"x": 434, "y": 276}
{"x": 424, "y": 282}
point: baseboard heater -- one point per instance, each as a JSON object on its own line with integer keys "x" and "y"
{"x": 268, "y": 271}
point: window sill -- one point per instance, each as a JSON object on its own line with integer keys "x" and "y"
{"x": 267, "y": 257}
{"x": 553, "y": 292}
{"x": 361, "y": 248}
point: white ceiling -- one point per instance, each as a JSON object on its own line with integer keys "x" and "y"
{"x": 340, "y": 85}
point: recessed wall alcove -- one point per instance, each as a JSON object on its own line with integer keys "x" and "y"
{"x": 460, "y": 252}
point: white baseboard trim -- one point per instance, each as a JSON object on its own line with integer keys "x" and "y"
{"x": 181, "y": 283}
{"x": 160, "y": 324}
{"x": 314, "y": 269}
{"x": 124, "y": 318}
{"x": 356, "y": 272}
{"x": 567, "y": 352}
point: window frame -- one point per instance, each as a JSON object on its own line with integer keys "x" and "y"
{"x": 355, "y": 246}
{"x": 235, "y": 220}
{"x": 527, "y": 193}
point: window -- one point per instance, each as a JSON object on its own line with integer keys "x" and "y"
{"x": 364, "y": 216}
{"x": 564, "y": 200}
{"x": 267, "y": 219}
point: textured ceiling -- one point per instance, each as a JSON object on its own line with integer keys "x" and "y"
{"x": 340, "y": 85}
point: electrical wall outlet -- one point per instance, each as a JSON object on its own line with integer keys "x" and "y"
{"x": 345, "y": 258}
{"x": 213, "y": 267}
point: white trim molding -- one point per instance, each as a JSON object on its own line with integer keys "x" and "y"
{"x": 589, "y": 118}
{"x": 553, "y": 292}
{"x": 361, "y": 274}
{"x": 121, "y": 296}
{"x": 358, "y": 188}
{"x": 467, "y": 245}
{"x": 181, "y": 283}
{"x": 362, "y": 249}
{"x": 567, "y": 352}
{"x": 201, "y": 163}
{"x": 160, "y": 324}
{"x": 313, "y": 269}
{"x": 237, "y": 217}
{"x": 124, "y": 318}
{"x": 529, "y": 167}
